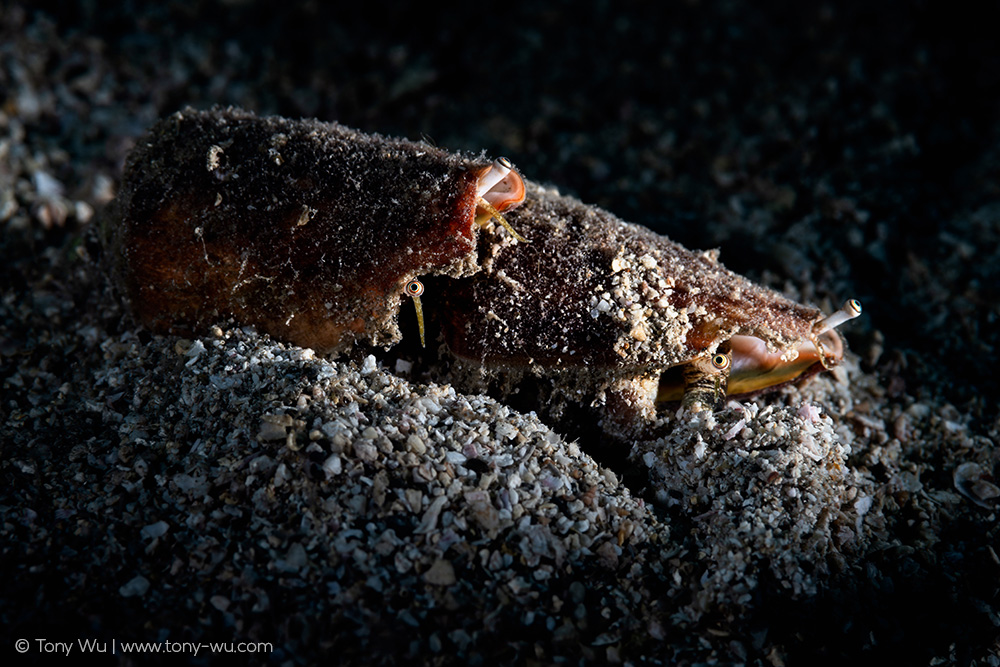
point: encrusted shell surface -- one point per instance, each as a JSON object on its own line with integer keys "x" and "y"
{"x": 310, "y": 231}
{"x": 307, "y": 230}
{"x": 592, "y": 291}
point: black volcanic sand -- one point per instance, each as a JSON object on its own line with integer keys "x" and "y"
{"x": 230, "y": 488}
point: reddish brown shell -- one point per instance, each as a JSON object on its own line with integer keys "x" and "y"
{"x": 307, "y": 230}
{"x": 593, "y": 292}
{"x": 312, "y": 231}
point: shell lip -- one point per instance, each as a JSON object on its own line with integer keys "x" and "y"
{"x": 500, "y": 185}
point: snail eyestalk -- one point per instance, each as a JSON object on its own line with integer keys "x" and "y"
{"x": 415, "y": 288}
{"x": 850, "y": 310}
{"x": 495, "y": 214}
{"x": 706, "y": 380}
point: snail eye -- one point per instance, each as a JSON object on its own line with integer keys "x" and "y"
{"x": 854, "y": 306}
{"x": 721, "y": 361}
{"x": 505, "y": 163}
{"x": 414, "y": 287}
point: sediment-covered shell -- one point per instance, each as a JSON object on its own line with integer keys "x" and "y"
{"x": 308, "y": 230}
{"x": 594, "y": 291}
{"x": 605, "y": 307}
{"x": 314, "y": 233}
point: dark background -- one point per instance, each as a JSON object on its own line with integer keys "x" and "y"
{"x": 834, "y": 150}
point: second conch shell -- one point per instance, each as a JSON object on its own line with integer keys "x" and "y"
{"x": 609, "y": 307}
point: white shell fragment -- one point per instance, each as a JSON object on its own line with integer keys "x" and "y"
{"x": 973, "y": 483}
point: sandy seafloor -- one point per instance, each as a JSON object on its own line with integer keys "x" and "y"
{"x": 361, "y": 510}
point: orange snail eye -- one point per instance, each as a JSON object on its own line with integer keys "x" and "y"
{"x": 721, "y": 361}
{"x": 414, "y": 287}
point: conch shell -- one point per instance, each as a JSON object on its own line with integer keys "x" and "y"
{"x": 310, "y": 231}
{"x": 316, "y": 233}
